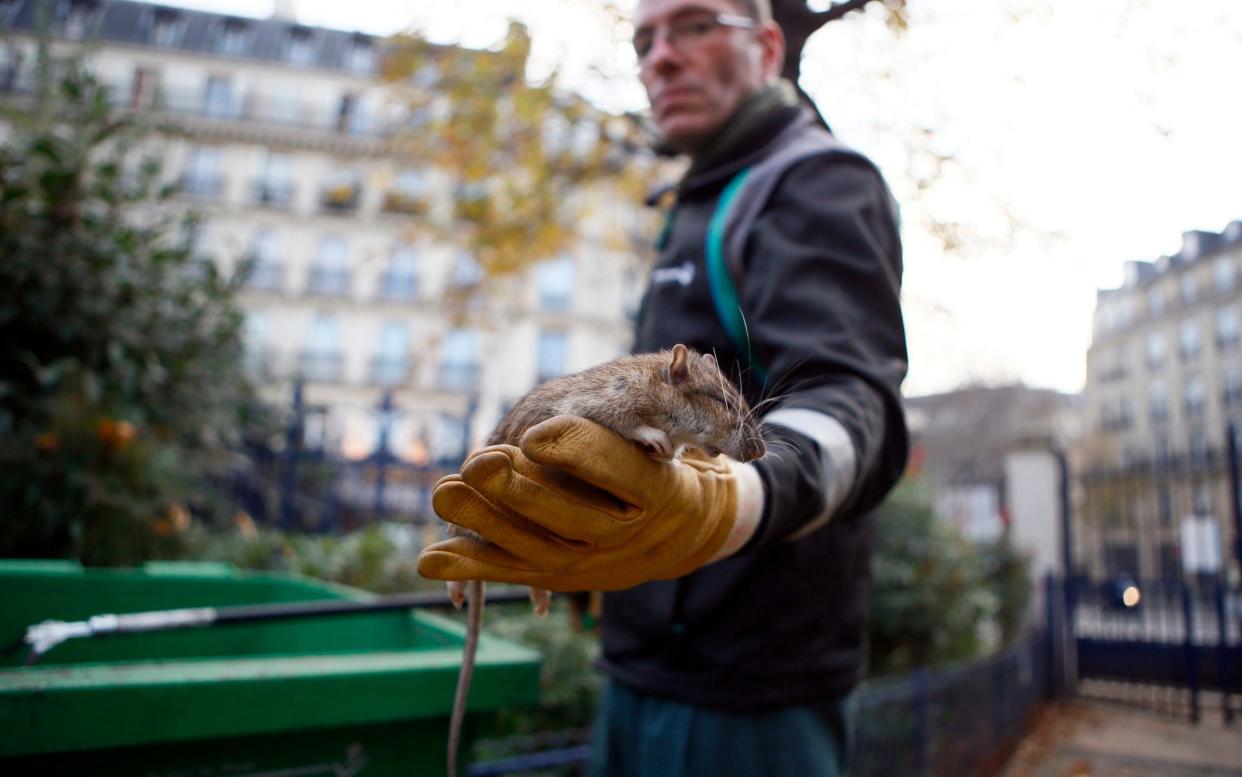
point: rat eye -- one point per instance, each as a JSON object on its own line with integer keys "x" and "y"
{"x": 718, "y": 398}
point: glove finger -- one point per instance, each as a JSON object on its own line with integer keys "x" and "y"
{"x": 597, "y": 455}
{"x": 574, "y": 511}
{"x": 458, "y": 503}
{"x": 468, "y": 558}
{"x": 552, "y": 478}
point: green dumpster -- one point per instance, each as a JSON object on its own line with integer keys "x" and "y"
{"x": 366, "y": 694}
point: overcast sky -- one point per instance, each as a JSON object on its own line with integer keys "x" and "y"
{"x": 1101, "y": 129}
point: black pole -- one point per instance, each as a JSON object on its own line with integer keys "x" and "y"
{"x": 381, "y": 456}
{"x": 42, "y": 637}
{"x": 318, "y": 609}
{"x": 1067, "y": 534}
{"x": 291, "y": 453}
{"x": 1235, "y": 499}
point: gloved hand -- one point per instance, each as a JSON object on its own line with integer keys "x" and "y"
{"x": 579, "y": 507}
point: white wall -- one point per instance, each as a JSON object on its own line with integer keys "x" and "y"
{"x": 1032, "y": 482}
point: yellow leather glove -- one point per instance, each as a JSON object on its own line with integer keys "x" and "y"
{"x": 579, "y": 507}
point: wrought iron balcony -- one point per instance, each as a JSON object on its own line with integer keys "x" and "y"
{"x": 323, "y": 366}
{"x": 461, "y": 376}
{"x": 274, "y": 194}
{"x": 340, "y": 199}
{"x": 389, "y": 371}
{"x": 406, "y": 204}
{"x": 266, "y": 276}
{"x": 398, "y": 286}
{"x": 206, "y": 186}
{"x": 329, "y": 282}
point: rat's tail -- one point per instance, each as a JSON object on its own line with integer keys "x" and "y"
{"x": 474, "y": 623}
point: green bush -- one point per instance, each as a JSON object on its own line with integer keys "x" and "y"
{"x": 378, "y": 558}
{"x": 934, "y": 595}
{"x": 121, "y": 386}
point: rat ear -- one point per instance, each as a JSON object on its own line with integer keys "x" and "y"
{"x": 679, "y": 368}
{"x": 711, "y": 360}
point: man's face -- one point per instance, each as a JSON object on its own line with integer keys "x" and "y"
{"x": 696, "y": 81}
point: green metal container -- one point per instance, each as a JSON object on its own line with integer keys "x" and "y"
{"x": 346, "y": 695}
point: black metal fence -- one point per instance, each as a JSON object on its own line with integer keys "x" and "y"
{"x": 949, "y": 721}
{"x": 943, "y": 722}
{"x": 1174, "y": 645}
{"x": 305, "y": 485}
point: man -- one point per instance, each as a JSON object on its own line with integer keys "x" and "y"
{"x": 733, "y": 631}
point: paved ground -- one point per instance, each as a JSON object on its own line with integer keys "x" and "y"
{"x": 1082, "y": 738}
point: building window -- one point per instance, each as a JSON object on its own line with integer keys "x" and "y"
{"x": 1188, "y": 340}
{"x": 1231, "y": 386}
{"x": 555, "y": 283}
{"x": 408, "y": 194}
{"x": 391, "y": 361}
{"x": 168, "y": 28}
{"x": 257, "y": 338}
{"x": 267, "y": 272}
{"x": 450, "y": 443}
{"x": 1155, "y": 350}
{"x": 323, "y": 358}
{"x": 201, "y": 244}
{"x": 1111, "y": 366}
{"x": 1116, "y": 416}
{"x": 1158, "y": 402}
{"x": 1163, "y": 454}
{"x": 7, "y": 9}
{"x": 459, "y": 360}
{"x": 1226, "y": 328}
{"x": 1164, "y": 506}
{"x": 234, "y": 38}
{"x": 467, "y": 271}
{"x": 1155, "y": 302}
{"x": 300, "y": 47}
{"x": 342, "y": 191}
{"x": 1224, "y": 271}
{"x": 1196, "y": 397}
{"x": 1197, "y": 447}
{"x": 361, "y": 55}
{"x": 1202, "y": 500}
{"x": 218, "y": 98}
{"x": 203, "y": 173}
{"x": 274, "y": 186}
{"x": 143, "y": 86}
{"x": 83, "y": 14}
{"x": 553, "y": 355}
{"x": 352, "y": 118}
{"x": 329, "y": 273}
{"x": 400, "y": 279}
{"x": 1190, "y": 289}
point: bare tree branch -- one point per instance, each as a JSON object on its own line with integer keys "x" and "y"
{"x": 799, "y": 22}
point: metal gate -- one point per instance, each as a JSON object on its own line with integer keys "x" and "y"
{"x": 1171, "y": 644}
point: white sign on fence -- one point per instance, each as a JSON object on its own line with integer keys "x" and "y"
{"x": 1200, "y": 544}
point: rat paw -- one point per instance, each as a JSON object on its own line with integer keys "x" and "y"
{"x": 456, "y": 592}
{"x": 541, "y": 598}
{"x": 658, "y": 443}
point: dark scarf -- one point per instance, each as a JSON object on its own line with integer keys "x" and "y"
{"x": 755, "y": 120}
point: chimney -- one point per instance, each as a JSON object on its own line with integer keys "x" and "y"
{"x": 285, "y": 11}
{"x": 1191, "y": 245}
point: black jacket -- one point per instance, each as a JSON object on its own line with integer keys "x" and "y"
{"x": 782, "y": 622}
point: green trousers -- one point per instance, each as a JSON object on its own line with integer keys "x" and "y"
{"x": 638, "y": 735}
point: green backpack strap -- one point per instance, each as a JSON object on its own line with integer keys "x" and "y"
{"x": 724, "y": 290}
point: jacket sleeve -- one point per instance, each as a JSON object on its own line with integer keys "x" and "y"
{"x": 820, "y": 289}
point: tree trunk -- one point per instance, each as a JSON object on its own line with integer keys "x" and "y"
{"x": 798, "y": 23}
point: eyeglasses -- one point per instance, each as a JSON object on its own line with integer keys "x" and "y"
{"x": 688, "y": 32}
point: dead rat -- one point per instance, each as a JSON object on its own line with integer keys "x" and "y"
{"x": 665, "y": 401}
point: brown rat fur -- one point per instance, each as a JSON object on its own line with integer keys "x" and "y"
{"x": 665, "y": 401}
